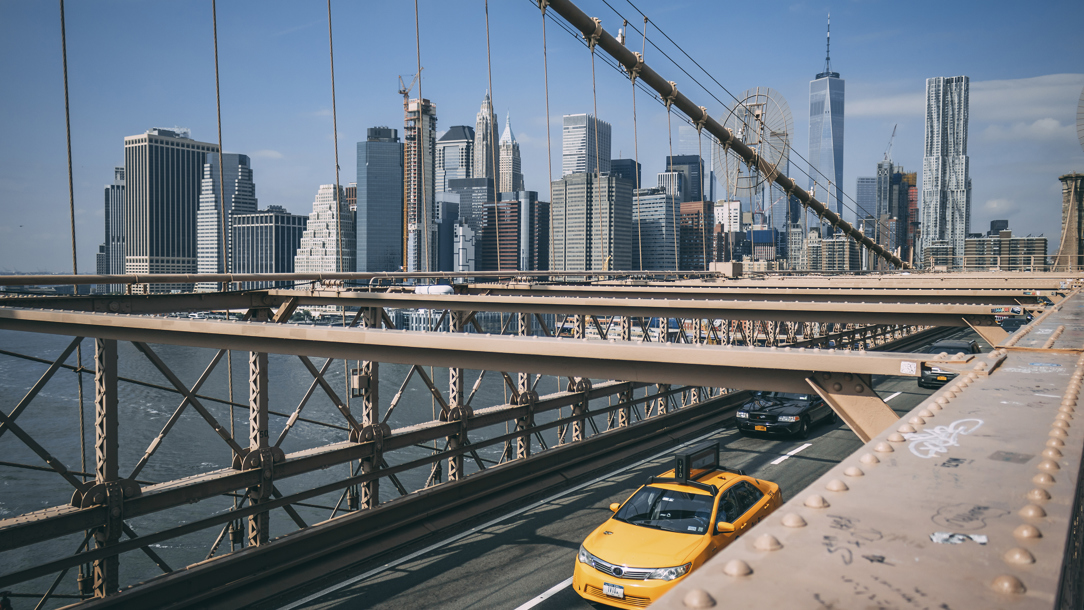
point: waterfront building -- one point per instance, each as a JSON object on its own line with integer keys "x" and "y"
{"x": 485, "y": 141}
{"x": 379, "y": 194}
{"x": 946, "y": 181}
{"x": 1003, "y": 252}
{"x": 266, "y": 242}
{"x": 511, "y": 173}
{"x": 455, "y": 155}
{"x": 585, "y": 145}
{"x": 163, "y": 171}
{"x": 1071, "y": 250}
{"x": 826, "y": 101}
{"x": 239, "y": 194}
{"x": 656, "y": 244}
{"x": 111, "y": 252}
{"x": 419, "y": 161}
{"x": 325, "y": 244}
{"x": 592, "y": 223}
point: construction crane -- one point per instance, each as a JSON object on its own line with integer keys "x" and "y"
{"x": 888, "y": 151}
{"x": 404, "y": 90}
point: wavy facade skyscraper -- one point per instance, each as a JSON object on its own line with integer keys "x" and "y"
{"x": 946, "y": 179}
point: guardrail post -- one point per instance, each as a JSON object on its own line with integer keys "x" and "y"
{"x": 107, "y": 458}
{"x": 258, "y": 524}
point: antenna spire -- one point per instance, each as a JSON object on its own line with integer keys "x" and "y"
{"x": 828, "y": 46}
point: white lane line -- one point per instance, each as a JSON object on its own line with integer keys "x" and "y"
{"x": 780, "y": 459}
{"x": 457, "y": 537}
{"x": 548, "y": 594}
{"x": 893, "y": 396}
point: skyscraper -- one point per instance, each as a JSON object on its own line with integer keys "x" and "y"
{"x": 592, "y": 223}
{"x": 866, "y": 196}
{"x": 113, "y": 248}
{"x": 511, "y": 175}
{"x": 419, "y": 152}
{"x": 325, "y": 244}
{"x": 946, "y": 181}
{"x": 485, "y": 136}
{"x": 379, "y": 214}
{"x": 266, "y": 242}
{"x": 578, "y": 145}
{"x": 628, "y": 169}
{"x": 163, "y": 171}
{"x": 694, "y": 234}
{"x": 516, "y": 233}
{"x": 674, "y": 183}
{"x": 455, "y": 155}
{"x": 692, "y": 168}
{"x": 826, "y": 93}
{"x": 655, "y": 231}
{"x": 240, "y": 198}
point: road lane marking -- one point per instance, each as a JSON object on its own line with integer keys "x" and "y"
{"x": 554, "y": 590}
{"x": 893, "y": 396}
{"x": 780, "y": 459}
{"x": 458, "y": 537}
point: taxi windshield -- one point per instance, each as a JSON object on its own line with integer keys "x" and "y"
{"x": 673, "y": 511}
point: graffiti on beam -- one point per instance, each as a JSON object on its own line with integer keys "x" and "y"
{"x": 935, "y": 441}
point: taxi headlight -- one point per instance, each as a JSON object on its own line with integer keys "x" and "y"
{"x": 669, "y": 573}
{"x": 743, "y": 415}
{"x": 585, "y": 557}
{"x": 788, "y": 418}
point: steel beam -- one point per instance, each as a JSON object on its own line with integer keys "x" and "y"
{"x": 107, "y": 464}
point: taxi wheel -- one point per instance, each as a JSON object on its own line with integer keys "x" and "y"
{"x": 803, "y": 430}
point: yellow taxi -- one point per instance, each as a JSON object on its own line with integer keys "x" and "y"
{"x": 668, "y": 528}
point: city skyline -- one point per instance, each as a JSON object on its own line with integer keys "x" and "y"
{"x": 1013, "y": 95}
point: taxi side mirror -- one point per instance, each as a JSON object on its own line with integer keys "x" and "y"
{"x": 614, "y": 507}
{"x": 724, "y": 528}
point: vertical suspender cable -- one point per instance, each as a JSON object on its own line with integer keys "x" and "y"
{"x": 418, "y": 141}
{"x": 335, "y": 137}
{"x": 636, "y": 152}
{"x": 493, "y": 144}
{"x": 598, "y": 167}
{"x": 549, "y": 152}
{"x": 221, "y": 188}
{"x": 703, "y": 220}
{"x": 676, "y": 204}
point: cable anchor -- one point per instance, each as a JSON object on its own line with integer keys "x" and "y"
{"x": 593, "y": 38}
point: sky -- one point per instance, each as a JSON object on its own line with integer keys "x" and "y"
{"x": 137, "y": 64}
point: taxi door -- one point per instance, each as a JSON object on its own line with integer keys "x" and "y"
{"x": 729, "y": 509}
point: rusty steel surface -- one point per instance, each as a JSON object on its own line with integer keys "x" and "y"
{"x": 966, "y": 504}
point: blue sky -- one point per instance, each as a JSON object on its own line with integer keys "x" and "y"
{"x": 139, "y": 64}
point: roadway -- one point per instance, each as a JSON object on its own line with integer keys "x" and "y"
{"x": 524, "y": 559}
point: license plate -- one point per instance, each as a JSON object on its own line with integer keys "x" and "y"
{"x": 942, "y": 378}
{"x": 613, "y": 590}
{"x": 761, "y": 428}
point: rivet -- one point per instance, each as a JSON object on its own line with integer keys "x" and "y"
{"x": 1063, "y": 417}
{"x": 941, "y": 400}
{"x": 1008, "y": 584}
{"x": 1018, "y": 556}
{"x": 767, "y": 542}
{"x": 1038, "y": 495}
{"x": 836, "y": 485}
{"x": 1027, "y": 531}
{"x": 1055, "y": 442}
{"x": 980, "y": 366}
{"x": 1051, "y": 453}
{"x": 826, "y": 375}
{"x": 816, "y": 501}
{"x": 883, "y": 448}
{"x": 1057, "y": 433}
{"x": 1068, "y": 401}
{"x": 115, "y": 512}
{"x": 925, "y": 413}
{"x": 1042, "y": 478}
{"x": 837, "y": 387}
{"x": 906, "y": 429}
{"x": 950, "y": 394}
{"x": 737, "y": 567}
{"x": 793, "y": 520}
{"x": 858, "y": 389}
{"x": 935, "y": 407}
{"x": 698, "y": 598}
{"x": 847, "y": 377}
{"x": 971, "y": 377}
{"x": 1032, "y": 511}
{"x": 1049, "y": 466}
{"x": 1066, "y": 409}
{"x": 916, "y": 420}
{"x": 896, "y": 437}
{"x": 853, "y": 471}
{"x": 869, "y": 458}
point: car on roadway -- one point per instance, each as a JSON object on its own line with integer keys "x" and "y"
{"x": 668, "y": 528}
{"x": 1011, "y": 325}
{"x": 933, "y": 376}
{"x": 783, "y": 413}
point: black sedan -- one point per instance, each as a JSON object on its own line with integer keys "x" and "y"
{"x": 934, "y": 376}
{"x": 783, "y": 413}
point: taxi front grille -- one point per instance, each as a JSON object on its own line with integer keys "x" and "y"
{"x": 761, "y": 417}
{"x": 632, "y": 600}
{"x": 620, "y": 571}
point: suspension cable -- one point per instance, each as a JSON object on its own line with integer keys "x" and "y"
{"x": 598, "y": 168}
{"x": 493, "y": 144}
{"x": 418, "y": 140}
{"x": 676, "y": 203}
{"x": 221, "y": 168}
{"x": 549, "y": 151}
{"x": 335, "y": 137}
{"x": 636, "y": 153}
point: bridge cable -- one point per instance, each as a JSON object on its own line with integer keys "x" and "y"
{"x": 335, "y": 138}
{"x": 598, "y": 167}
{"x": 418, "y": 141}
{"x": 221, "y": 168}
{"x": 549, "y": 151}
{"x": 493, "y": 145}
{"x": 636, "y": 152}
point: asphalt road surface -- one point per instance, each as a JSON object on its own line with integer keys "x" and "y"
{"x": 524, "y": 559}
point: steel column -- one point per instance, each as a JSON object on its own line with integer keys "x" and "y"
{"x": 456, "y": 406}
{"x": 370, "y": 408}
{"x": 107, "y": 463}
{"x": 258, "y": 524}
